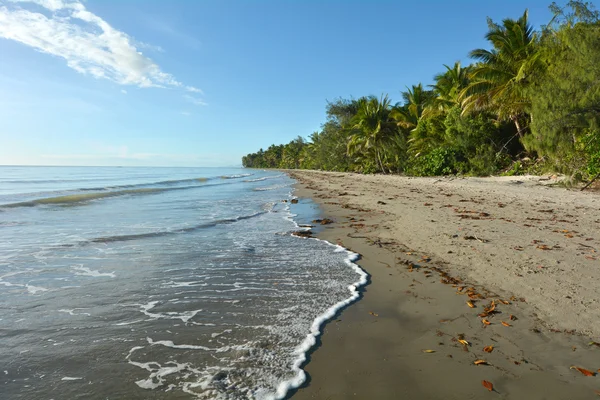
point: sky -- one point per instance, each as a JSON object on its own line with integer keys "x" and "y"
{"x": 202, "y": 83}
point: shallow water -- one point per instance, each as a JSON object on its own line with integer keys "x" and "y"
{"x": 158, "y": 283}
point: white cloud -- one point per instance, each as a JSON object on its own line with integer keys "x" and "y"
{"x": 91, "y": 46}
{"x": 194, "y": 100}
{"x": 186, "y": 113}
{"x": 123, "y": 91}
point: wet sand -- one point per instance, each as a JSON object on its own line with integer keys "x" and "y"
{"x": 427, "y": 244}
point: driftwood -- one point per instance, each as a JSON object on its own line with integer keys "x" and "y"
{"x": 590, "y": 182}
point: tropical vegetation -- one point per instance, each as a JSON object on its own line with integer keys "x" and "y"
{"x": 530, "y": 102}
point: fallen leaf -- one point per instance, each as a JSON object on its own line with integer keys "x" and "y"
{"x": 486, "y": 322}
{"x": 373, "y": 314}
{"x": 491, "y": 307}
{"x": 470, "y": 304}
{"x": 585, "y": 372}
{"x": 464, "y": 342}
{"x": 488, "y": 349}
{"x": 594, "y": 344}
{"x": 480, "y": 362}
{"x": 512, "y": 317}
{"x": 506, "y": 323}
{"x": 488, "y": 385}
{"x": 544, "y": 247}
{"x": 503, "y": 301}
{"x": 428, "y": 351}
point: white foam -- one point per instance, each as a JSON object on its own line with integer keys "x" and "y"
{"x": 169, "y": 343}
{"x": 72, "y": 312}
{"x": 214, "y": 335}
{"x": 34, "y": 289}
{"x": 93, "y": 273}
{"x": 128, "y": 323}
{"x": 315, "y": 330}
{"x": 71, "y": 378}
{"x": 183, "y": 316}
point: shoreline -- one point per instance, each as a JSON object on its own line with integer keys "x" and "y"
{"x": 375, "y": 348}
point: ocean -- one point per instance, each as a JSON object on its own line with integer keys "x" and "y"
{"x": 160, "y": 283}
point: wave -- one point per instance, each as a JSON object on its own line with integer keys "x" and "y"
{"x": 81, "y": 198}
{"x": 114, "y": 191}
{"x": 235, "y": 176}
{"x": 256, "y": 180}
{"x": 155, "y": 234}
{"x": 262, "y": 189}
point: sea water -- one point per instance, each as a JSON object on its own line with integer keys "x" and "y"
{"x": 160, "y": 283}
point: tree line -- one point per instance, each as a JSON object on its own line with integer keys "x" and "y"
{"x": 528, "y": 103}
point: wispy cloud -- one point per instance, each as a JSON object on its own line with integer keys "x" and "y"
{"x": 186, "y": 113}
{"x": 89, "y": 44}
{"x": 194, "y": 100}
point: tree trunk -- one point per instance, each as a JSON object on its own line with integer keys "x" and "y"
{"x": 379, "y": 160}
{"x": 518, "y": 126}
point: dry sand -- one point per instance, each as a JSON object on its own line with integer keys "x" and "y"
{"x": 512, "y": 239}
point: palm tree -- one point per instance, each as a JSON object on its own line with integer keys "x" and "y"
{"x": 373, "y": 129}
{"x": 447, "y": 88}
{"x": 416, "y": 99}
{"x": 499, "y": 79}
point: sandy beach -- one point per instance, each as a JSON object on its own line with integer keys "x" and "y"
{"x": 457, "y": 265}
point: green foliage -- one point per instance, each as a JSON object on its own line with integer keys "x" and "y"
{"x": 565, "y": 99}
{"x": 532, "y": 92}
{"x": 439, "y": 161}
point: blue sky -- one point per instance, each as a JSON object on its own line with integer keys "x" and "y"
{"x": 201, "y": 83}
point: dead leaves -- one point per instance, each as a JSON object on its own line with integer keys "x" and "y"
{"x": 543, "y": 247}
{"x": 470, "y": 304}
{"x": 488, "y": 385}
{"x": 480, "y": 362}
{"x": 506, "y": 323}
{"x": 373, "y": 314}
{"x": 584, "y": 371}
{"x": 488, "y": 349}
{"x": 428, "y": 351}
{"x": 464, "y": 342}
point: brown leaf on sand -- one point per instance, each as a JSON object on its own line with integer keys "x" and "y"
{"x": 373, "y": 314}
{"x": 488, "y": 385}
{"x": 464, "y": 342}
{"x": 486, "y": 322}
{"x": 480, "y": 362}
{"x": 489, "y": 309}
{"x": 428, "y": 351}
{"x": 504, "y": 302}
{"x": 512, "y": 317}
{"x": 543, "y": 247}
{"x": 470, "y": 304}
{"x": 506, "y": 323}
{"x": 488, "y": 349}
{"x": 585, "y": 372}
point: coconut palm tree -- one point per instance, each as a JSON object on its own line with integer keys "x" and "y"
{"x": 499, "y": 79}
{"x": 373, "y": 129}
{"x": 416, "y": 100}
{"x": 447, "y": 88}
